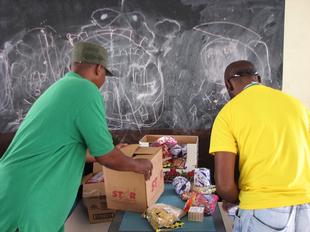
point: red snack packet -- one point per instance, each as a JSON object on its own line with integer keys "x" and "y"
{"x": 189, "y": 202}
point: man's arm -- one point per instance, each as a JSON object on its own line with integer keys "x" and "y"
{"x": 91, "y": 159}
{"x": 226, "y": 186}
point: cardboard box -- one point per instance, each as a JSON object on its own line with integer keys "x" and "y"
{"x": 97, "y": 167}
{"x": 94, "y": 198}
{"x": 92, "y": 189}
{"x": 190, "y": 141}
{"x": 95, "y": 203}
{"x": 128, "y": 190}
{"x": 98, "y": 216}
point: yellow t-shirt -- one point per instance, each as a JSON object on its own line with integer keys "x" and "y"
{"x": 270, "y": 131}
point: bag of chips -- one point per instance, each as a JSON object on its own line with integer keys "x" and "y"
{"x": 164, "y": 217}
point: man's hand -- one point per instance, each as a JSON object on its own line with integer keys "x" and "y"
{"x": 227, "y": 205}
{"x": 144, "y": 166}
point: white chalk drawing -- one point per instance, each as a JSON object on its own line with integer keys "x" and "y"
{"x": 163, "y": 75}
{"x": 31, "y": 62}
{"x": 135, "y": 94}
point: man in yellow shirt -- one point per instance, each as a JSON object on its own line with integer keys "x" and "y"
{"x": 269, "y": 131}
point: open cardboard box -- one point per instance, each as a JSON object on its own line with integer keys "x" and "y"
{"x": 191, "y": 143}
{"x": 128, "y": 190}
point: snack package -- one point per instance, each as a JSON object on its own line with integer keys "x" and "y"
{"x": 170, "y": 175}
{"x": 202, "y": 177}
{"x": 170, "y": 141}
{"x": 181, "y": 185}
{"x": 174, "y": 155}
{"x": 185, "y": 196}
{"x": 178, "y": 151}
{"x": 164, "y": 217}
{"x": 196, "y": 213}
{"x": 206, "y": 201}
{"x": 97, "y": 178}
{"x": 204, "y": 190}
{"x": 190, "y": 201}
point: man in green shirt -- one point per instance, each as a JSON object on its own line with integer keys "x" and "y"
{"x": 41, "y": 170}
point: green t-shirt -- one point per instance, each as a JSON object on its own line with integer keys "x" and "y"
{"x": 41, "y": 171}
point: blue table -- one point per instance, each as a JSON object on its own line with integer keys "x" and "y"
{"x": 133, "y": 222}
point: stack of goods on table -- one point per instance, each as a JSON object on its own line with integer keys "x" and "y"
{"x": 175, "y": 158}
{"x": 199, "y": 199}
{"x": 180, "y": 152}
{"x": 174, "y": 154}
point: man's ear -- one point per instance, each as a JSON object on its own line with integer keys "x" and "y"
{"x": 97, "y": 69}
{"x": 229, "y": 85}
{"x": 259, "y": 79}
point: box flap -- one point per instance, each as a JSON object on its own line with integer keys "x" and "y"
{"x": 97, "y": 167}
{"x": 130, "y": 149}
{"x": 135, "y": 149}
{"x": 147, "y": 150}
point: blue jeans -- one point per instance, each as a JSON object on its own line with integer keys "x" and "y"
{"x": 284, "y": 219}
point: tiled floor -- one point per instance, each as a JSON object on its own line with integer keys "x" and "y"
{"x": 78, "y": 222}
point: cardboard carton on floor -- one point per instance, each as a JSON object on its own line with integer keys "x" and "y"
{"x": 191, "y": 143}
{"x": 94, "y": 198}
{"x": 98, "y": 216}
{"x": 128, "y": 190}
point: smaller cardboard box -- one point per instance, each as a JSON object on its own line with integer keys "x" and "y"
{"x": 191, "y": 143}
{"x": 98, "y": 216}
{"x": 91, "y": 190}
{"x": 95, "y": 203}
{"x": 94, "y": 198}
{"x": 128, "y": 190}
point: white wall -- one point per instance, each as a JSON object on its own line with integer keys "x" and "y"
{"x": 296, "y": 60}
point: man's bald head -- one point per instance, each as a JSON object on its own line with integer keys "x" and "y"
{"x": 238, "y": 75}
{"x": 240, "y": 68}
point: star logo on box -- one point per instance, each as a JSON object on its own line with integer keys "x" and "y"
{"x": 121, "y": 195}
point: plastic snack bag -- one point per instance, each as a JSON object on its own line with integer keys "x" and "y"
{"x": 97, "y": 178}
{"x": 181, "y": 185}
{"x": 163, "y": 217}
{"x": 202, "y": 177}
{"x": 207, "y": 201}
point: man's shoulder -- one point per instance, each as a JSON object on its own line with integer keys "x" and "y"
{"x": 225, "y": 111}
{"x": 74, "y": 84}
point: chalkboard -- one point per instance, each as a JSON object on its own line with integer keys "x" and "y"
{"x": 168, "y": 55}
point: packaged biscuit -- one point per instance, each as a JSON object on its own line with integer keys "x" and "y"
{"x": 164, "y": 217}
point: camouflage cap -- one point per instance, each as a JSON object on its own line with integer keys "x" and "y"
{"x": 86, "y": 52}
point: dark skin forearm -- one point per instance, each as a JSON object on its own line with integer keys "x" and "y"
{"x": 226, "y": 186}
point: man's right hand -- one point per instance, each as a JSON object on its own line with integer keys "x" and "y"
{"x": 144, "y": 166}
